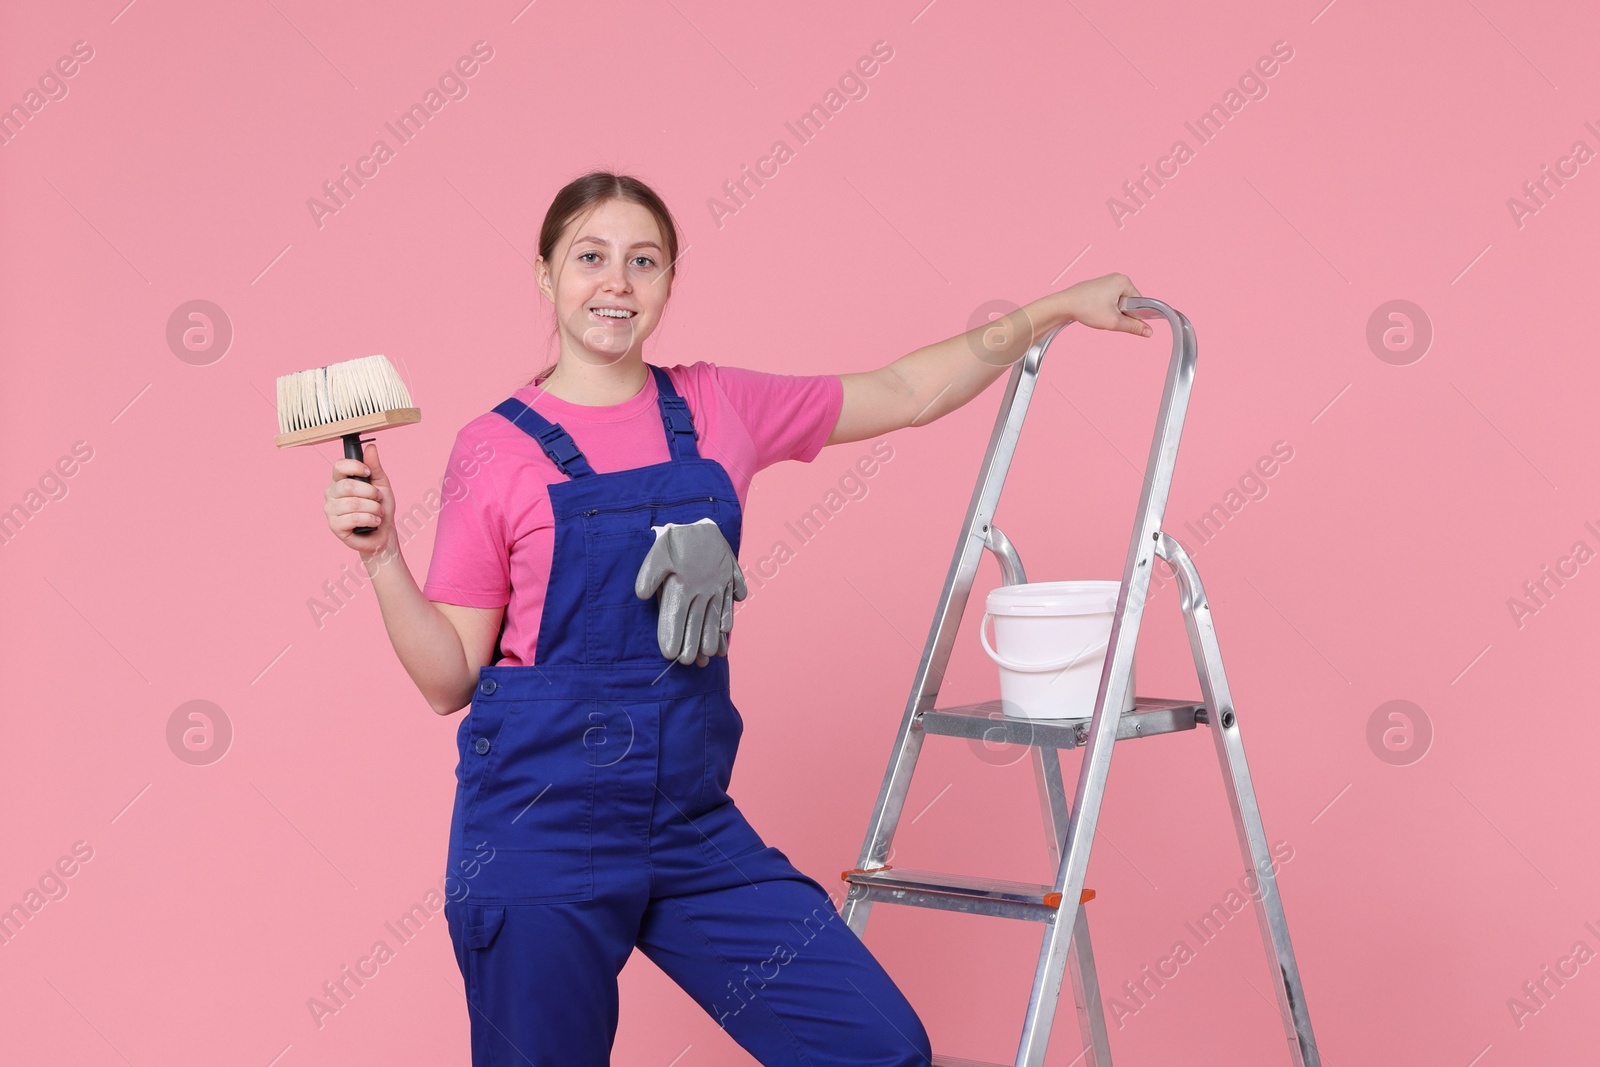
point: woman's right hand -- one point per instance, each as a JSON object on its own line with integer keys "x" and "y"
{"x": 350, "y": 503}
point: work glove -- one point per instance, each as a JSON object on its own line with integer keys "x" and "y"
{"x": 698, "y": 577}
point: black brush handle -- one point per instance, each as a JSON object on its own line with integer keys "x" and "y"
{"x": 353, "y": 450}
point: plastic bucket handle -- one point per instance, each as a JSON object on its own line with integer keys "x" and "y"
{"x": 1034, "y": 668}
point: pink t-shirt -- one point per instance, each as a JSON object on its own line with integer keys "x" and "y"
{"x": 496, "y": 535}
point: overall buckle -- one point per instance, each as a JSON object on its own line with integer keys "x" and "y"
{"x": 558, "y": 445}
{"x": 675, "y": 415}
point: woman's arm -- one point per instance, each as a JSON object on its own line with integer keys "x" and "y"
{"x": 441, "y": 646}
{"x": 935, "y": 380}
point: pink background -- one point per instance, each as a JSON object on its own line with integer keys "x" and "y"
{"x": 179, "y": 562}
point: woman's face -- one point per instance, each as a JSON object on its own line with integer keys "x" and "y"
{"x": 612, "y": 258}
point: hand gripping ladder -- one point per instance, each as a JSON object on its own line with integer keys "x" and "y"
{"x": 1070, "y": 833}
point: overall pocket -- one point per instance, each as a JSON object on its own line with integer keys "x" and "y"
{"x": 474, "y": 925}
{"x": 621, "y": 626}
{"x": 525, "y": 804}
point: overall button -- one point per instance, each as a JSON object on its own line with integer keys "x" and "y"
{"x": 487, "y": 686}
{"x": 481, "y": 746}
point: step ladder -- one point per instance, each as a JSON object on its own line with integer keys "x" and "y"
{"x": 1069, "y": 832}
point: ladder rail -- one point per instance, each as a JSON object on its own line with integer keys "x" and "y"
{"x": 1240, "y": 788}
{"x": 1080, "y": 957}
{"x": 1114, "y": 675}
{"x": 970, "y": 544}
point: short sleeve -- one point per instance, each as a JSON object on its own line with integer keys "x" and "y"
{"x": 788, "y": 416}
{"x": 471, "y": 562}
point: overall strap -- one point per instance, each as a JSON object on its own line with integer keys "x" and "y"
{"x": 555, "y": 442}
{"x": 675, "y": 416}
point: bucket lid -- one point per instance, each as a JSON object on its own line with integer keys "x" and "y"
{"x": 1054, "y": 598}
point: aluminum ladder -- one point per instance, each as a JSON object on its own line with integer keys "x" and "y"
{"x": 1070, "y": 831}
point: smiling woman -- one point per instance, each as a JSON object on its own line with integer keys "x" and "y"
{"x": 580, "y": 598}
{"x": 599, "y": 313}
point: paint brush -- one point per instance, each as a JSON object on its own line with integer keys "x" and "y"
{"x": 343, "y": 400}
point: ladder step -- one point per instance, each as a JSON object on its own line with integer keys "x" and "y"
{"x": 960, "y": 892}
{"x": 986, "y": 722}
{"x": 952, "y": 1061}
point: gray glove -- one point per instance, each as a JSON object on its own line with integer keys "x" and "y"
{"x": 698, "y": 576}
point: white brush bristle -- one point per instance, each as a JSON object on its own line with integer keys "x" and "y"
{"x": 345, "y": 390}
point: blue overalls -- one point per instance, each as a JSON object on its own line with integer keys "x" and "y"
{"x": 592, "y": 814}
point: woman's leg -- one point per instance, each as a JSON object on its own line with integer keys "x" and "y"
{"x": 771, "y": 960}
{"x": 541, "y": 980}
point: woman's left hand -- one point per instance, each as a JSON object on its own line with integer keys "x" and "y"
{"x": 1094, "y": 303}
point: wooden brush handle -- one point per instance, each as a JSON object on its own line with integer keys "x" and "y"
{"x": 353, "y": 450}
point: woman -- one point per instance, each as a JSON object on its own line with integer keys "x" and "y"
{"x": 591, "y": 812}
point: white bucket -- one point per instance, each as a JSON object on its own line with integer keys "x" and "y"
{"x": 1052, "y": 639}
